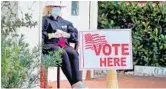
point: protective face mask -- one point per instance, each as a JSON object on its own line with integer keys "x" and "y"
{"x": 55, "y": 11}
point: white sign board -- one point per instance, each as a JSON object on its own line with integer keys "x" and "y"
{"x": 106, "y": 49}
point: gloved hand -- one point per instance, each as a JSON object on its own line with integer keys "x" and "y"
{"x": 54, "y": 35}
{"x": 63, "y": 34}
{"x": 59, "y": 34}
{"x": 66, "y": 35}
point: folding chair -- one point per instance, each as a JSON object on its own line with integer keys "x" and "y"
{"x": 43, "y": 74}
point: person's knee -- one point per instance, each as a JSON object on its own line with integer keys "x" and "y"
{"x": 60, "y": 50}
{"x": 50, "y": 50}
{"x": 56, "y": 48}
{"x": 71, "y": 51}
{"x": 64, "y": 53}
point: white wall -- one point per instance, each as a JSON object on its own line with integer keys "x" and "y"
{"x": 93, "y": 15}
{"x": 81, "y": 22}
{"x": 32, "y": 35}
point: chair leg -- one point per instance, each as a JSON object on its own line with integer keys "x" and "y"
{"x": 45, "y": 79}
{"x": 42, "y": 77}
{"x": 58, "y": 77}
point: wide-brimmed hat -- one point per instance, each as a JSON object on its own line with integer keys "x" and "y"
{"x": 55, "y": 3}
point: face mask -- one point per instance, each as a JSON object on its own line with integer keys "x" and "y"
{"x": 55, "y": 11}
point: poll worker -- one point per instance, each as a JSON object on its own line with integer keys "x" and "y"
{"x": 56, "y": 34}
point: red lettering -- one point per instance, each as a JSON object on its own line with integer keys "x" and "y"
{"x": 116, "y": 48}
{"x": 102, "y": 62}
{"x": 106, "y": 49}
{"x": 116, "y": 62}
{"x": 123, "y": 61}
{"x": 109, "y": 62}
{"x": 124, "y": 49}
{"x": 97, "y": 50}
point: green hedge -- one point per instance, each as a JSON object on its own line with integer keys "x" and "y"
{"x": 148, "y": 24}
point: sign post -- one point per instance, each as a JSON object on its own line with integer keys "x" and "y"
{"x": 106, "y": 50}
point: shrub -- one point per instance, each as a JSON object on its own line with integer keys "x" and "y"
{"x": 18, "y": 62}
{"x": 20, "y": 65}
{"x": 53, "y": 58}
{"x": 147, "y": 24}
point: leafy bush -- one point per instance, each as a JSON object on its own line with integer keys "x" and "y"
{"x": 20, "y": 65}
{"x": 18, "y": 62}
{"x": 148, "y": 24}
{"x": 52, "y": 59}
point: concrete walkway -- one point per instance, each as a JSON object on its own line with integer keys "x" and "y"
{"x": 124, "y": 81}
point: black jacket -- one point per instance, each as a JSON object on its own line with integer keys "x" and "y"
{"x": 50, "y": 25}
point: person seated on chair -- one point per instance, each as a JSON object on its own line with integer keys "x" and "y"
{"x": 56, "y": 34}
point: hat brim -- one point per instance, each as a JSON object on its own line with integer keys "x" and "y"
{"x": 56, "y": 6}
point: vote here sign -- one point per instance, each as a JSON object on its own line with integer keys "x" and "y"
{"x": 106, "y": 49}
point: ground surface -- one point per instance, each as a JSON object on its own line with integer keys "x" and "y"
{"x": 124, "y": 81}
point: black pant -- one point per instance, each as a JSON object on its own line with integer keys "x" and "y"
{"x": 70, "y": 63}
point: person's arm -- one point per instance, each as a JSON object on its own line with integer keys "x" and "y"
{"x": 73, "y": 33}
{"x": 44, "y": 29}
